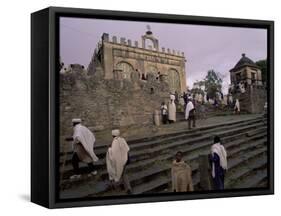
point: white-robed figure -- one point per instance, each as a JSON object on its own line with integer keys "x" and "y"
{"x": 190, "y": 113}
{"x": 242, "y": 87}
{"x": 83, "y": 148}
{"x": 189, "y": 107}
{"x": 117, "y": 156}
{"x": 172, "y": 109}
{"x": 237, "y": 106}
{"x": 219, "y": 163}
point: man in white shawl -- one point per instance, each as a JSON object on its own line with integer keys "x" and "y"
{"x": 117, "y": 159}
{"x": 83, "y": 148}
{"x": 237, "y": 107}
{"x": 219, "y": 163}
{"x": 190, "y": 113}
{"x": 172, "y": 109}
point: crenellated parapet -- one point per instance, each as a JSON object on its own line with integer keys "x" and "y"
{"x": 106, "y": 38}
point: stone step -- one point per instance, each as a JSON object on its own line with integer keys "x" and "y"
{"x": 151, "y": 143}
{"x": 193, "y": 164}
{"x": 193, "y": 156}
{"x": 252, "y": 133}
{"x": 246, "y": 169}
{"x": 146, "y": 187}
{"x": 263, "y": 183}
{"x": 186, "y": 140}
{"x": 135, "y": 154}
{"x": 165, "y": 156}
{"x": 247, "y": 147}
{"x": 235, "y": 153}
{"x": 175, "y": 146}
{"x": 102, "y": 186}
{"x": 252, "y": 181}
{"x": 137, "y": 143}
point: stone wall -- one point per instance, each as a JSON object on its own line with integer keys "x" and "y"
{"x": 108, "y": 103}
{"x": 253, "y": 100}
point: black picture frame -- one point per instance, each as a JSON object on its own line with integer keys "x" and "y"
{"x": 45, "y": 104}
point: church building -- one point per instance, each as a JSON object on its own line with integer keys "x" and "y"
{"x": 118, "y": 59}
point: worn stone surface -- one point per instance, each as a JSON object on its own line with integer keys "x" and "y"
{"x": 106, "y": 104}
{"x": 253, "y": 100}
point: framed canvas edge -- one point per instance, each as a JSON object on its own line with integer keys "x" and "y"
{"x": 54, "y": 11}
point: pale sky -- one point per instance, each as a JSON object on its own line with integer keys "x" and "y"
{"x": 205, "y": 47}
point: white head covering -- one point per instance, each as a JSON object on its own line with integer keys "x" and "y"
{"x": 76, "y": 120}
{"x": 189, "y": 98}
{"x": 172, "y": 97}
{"x": 115, "y": 132}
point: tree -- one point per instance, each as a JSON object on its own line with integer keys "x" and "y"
{"x": 212, "y": 83}
{"x": 197, "y": 88}
{"x": 263, "y": 65}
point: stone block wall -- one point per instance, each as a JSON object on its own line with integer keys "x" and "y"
{"x": 106, "y": 104}
{"x": 253, "y": 100}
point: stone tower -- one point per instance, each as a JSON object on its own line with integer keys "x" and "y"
{"x": 246, "y": 71}
{"x": 246, "y": 80}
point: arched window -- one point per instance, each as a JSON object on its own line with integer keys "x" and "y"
{"x": 174, "y": 80}
{"x": 125, "y": 69}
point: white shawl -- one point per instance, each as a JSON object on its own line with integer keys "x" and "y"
{"x": 237, "y": 105}
{"x": 172, "y": 110}
{"x": 116, "y": 158}
{"x": 220, "y": 151}
{"x": 164, "y": 109}
{"x": 189, "y": 107}
{"x": 84, "y": 136}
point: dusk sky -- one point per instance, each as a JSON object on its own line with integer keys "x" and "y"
{"x": 205, "y": 47}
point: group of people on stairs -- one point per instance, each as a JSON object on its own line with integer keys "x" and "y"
{"x": 117, "y": 158}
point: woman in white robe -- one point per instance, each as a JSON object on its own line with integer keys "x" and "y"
{"x": 116, "y": 157}
{"x": 172, "y": 109}
{"x": 237, "y": 106}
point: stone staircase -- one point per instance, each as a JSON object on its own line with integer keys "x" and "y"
{"x": 210, "y": 111}
{"x": 150, "y": 167}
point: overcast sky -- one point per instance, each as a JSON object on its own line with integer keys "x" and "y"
{"x": 205, "y": 47}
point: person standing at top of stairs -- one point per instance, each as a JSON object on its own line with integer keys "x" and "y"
{"x": 190, "y": 113}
